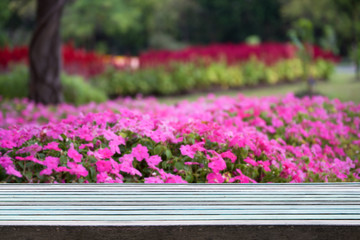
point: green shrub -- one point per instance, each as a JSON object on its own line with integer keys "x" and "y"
{"x": 185, "y": 77}
{"x": 253, "y": 71}
{"x": 14, "y": 84}
{"x": 78, "y": 91}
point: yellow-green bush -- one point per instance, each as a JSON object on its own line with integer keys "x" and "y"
{"x": 185, "y": 77}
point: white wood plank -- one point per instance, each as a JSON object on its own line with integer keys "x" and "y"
{"x": 166, "y": 187}
{"x": 185, "y": 223}
{"x": 210, "y": 203}
{"x": 177, "y": 217}
{"x": 133, "y": 204}
{"x": 35, "y": 196}
{"x": 181, "y": 212}
{"x": 176, "y": 199}
{"x": 181, "y": 193}
{"x": 185, "y": 207}
{"x": 172, "y": 203}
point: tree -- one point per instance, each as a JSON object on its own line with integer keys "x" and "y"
{"x": 352, "y": 9}
{"x": 302, "y": 35}
{"x": 229, "y": 21}
{"x": 45, "y": 53}
{"x": 343, "y": 15}
{"x": 17, "y": 18}
{"x": 112, "y": 26}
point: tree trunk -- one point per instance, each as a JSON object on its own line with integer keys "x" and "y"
{"x": 355, "y": 47}
{"x": 45, "y": 53}
{"x": 357, "y": 62}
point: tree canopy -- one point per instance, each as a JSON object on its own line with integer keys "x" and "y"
{"x": 132, "y": 26}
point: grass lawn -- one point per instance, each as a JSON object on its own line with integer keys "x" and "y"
{"x": 341, "y": 86}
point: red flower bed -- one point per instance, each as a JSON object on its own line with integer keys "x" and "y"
{"x": 90, "y": 63}
{"x": 269, "y": 53}
{"x": 75, "y": 61}
{"x": 14, "y": 55}
{"x": 82, "y": 62}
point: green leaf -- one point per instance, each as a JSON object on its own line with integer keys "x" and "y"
{"x": 179, "y": 165}
{"x": 92, "y": 174}
{"x": 92, "y": 159}
{"x": 63, "y": 160}
{"x": 168, "y": 154}
{"x": 243, "y": 153}
{"x": 28, "y": 175}
{"x": 189, "y": 178}
{"x": 158, "y": 150}
{"x": 63, "y": 137}
{"x": 163, "y": 165}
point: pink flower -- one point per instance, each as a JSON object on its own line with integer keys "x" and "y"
{"x": 217, "y": 164}
{"x": 298, "y": 177}
{"x": 115, "y": 168}
{"x": 230, "y": 155}
{"x": 89, "y": 145}
{"x": 77, "y": 169}
{"x": 191, "y": 163}
{"x": 51, "y": 163}
{"x": 52, "y": 146}
{"x": 114, "y": 144}
{"x": 29, "y": 158}
{"x": 72, "y": 153}
{"x": 152, "y": 161}
{"x": 215, "y": 178}
{"x": 9, "y": 167}
{"x": 153, "y": 180}
{"x": 126, "y": 165}
{"x": 199, "y": 146}
{"x": 170, "y": 178}
{"x": 251, "y": 161}
{"x": 241, "y": 178}
{"x": 174, "y": 179}
{"x": 128, "y": 168}
{"x": 33, "y": 149}
{"x": 265, "y": 165}
{"x": 103, "y": 177}
{"x": 7, "y": 144}
{"x": 140, "y": 152}
{"x": 186, "y": 150}
{"x": 104, "y": 153}
{"x": 276, "y": 122}
{"x": 103, "y": 166}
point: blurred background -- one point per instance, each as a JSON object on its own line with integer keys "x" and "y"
{"x": 117, "y": 48}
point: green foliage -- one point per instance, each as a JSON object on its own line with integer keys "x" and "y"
{"x": 196, "y": 76}
{"x": 17, "y": 19}
{"x": 329, "y": 41}
{"x": 111, "y": 25}
{"x": 253, "y": 40}
{"x": 14, "y": 84}
{"x": 77, "y": 91}
{"x": 342, "y": 15}
{"x": 131, "y": 26}
{"x": 302, "y": 36}
{"x": 82, "y": 17}
{"x": 253, "y": 71}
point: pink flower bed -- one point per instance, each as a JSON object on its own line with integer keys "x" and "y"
{"x": 214, "y": 140}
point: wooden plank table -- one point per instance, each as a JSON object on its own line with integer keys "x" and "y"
{"x": 192, "y": 211}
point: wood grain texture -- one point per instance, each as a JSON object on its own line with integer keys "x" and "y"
{"x": 192, "y": 211}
